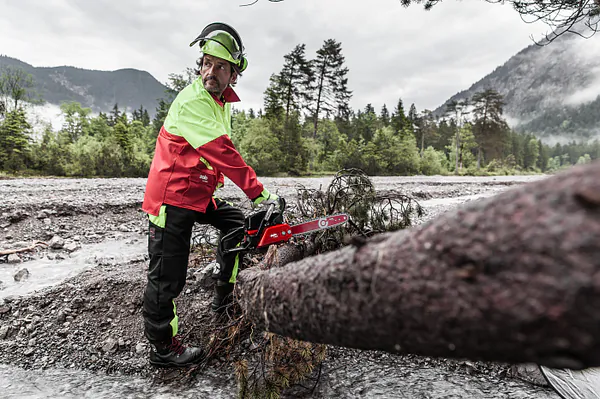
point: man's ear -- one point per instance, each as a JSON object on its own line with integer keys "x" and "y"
{"x": 234, "y": 78}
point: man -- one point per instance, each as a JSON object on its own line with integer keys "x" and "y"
{"x": 193, "y": 152}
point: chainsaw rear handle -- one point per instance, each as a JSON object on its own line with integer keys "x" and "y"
{"x": 263, "y": 225}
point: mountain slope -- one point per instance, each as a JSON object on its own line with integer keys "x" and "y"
{"x": 99, "y": 90}
{"x": 552, "y": 91}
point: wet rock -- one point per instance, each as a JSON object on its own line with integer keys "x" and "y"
{"x": 4, "y": 332}
{"x": 71, "y": 246}
{"x": 124, "y": 227}
{"x": 13, "y": 258}
{"x": 21, "y": 275}
{"x": 57, "y": 242}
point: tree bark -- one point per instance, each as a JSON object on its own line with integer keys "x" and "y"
{"x": 513, "y": 278}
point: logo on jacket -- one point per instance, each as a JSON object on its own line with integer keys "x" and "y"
{"x": 204, "y": 178}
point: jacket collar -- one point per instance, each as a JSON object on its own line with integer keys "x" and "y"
{"x": 229, "y": 96}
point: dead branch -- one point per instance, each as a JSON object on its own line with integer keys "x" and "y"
{"x": 19, "y": 250}
{"x": 513, "y": 278}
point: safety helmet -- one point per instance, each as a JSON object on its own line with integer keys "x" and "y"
{"x": 222, "y": 41}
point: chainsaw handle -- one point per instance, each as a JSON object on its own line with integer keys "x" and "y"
{"x": 261, "y": 227}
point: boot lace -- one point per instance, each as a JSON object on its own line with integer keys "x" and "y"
{"x": 177, "y": 346}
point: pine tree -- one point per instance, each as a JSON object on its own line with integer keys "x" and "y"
{"x": 384, "y": 116}
{"x": 161, "y": 114}
{"x": 426, "y": 129}
{"x": 14, "y": 140}
{"x": 289, "y": 90}
{"x": 489, "y": 128}
{"x": 145, "y": 118}
{"x": 398, "y": 120}
{"x": 331, "y": 92}
{"x": 413, "y": 118}
{"x": 367, "y": 123}
{"x": 121, "y": 133}
{"x": 115, "y": 116}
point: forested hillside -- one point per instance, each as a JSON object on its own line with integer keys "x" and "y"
{"x": 306, "y": 126}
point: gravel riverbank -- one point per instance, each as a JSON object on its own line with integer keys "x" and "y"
{"x": 89, "y": 317}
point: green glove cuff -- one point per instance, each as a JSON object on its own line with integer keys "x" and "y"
{"x": 265, "y": 195}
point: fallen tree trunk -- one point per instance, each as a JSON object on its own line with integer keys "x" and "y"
{"x": 513, "y": 278}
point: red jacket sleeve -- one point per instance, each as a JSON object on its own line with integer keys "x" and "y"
{"x": 222, "y": 154}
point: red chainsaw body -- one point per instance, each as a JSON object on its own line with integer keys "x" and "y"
{"x": 273, "y": 235}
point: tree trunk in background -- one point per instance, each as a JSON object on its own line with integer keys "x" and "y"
{"x": 513, "y": 278}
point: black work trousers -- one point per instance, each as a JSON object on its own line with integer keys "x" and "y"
{"x": 169, "y": 249}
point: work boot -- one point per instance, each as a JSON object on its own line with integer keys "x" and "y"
{"x": 173, "y": 354}
{"x": 222, "y": 297}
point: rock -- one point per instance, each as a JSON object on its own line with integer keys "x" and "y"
{"x": 71, "y": 246}
{"x": 42, "y": 214}
{"x": 204, "y": 276}
{"x": 29, "y": 352}
{"x": 140, "y": 348}
{"x": 14, "y": 258}
{"x": 57, "y": 242}
{"x": 21, "y": 275}
{"x": 17, "y": 216}
{"x": 2, "y": 285}
{"x": 77, "y": 302}
{"x": 60, "y": 257}
{"x": 47, "y": 221}
{"x": 121, "y": 343}
{"x": 109, "y": 346}
{"x": 8, "y": 237}
{"x": 61, "y": 317}
{"x": 4, "y": 332}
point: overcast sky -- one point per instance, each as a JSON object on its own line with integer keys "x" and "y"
{"x": 392, "y": 52}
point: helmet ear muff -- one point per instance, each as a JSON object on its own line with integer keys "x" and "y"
{"x": 219, "y": 26}
{"x": 243, "y": 63}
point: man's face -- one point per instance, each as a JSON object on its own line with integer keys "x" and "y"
{"x": 216, "y": 74}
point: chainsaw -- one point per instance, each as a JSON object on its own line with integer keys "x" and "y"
{"x": 266, "y": 227}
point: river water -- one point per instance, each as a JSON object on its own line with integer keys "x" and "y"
{"x": 345, "y": 374}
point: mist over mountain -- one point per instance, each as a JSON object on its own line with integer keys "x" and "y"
{"x": 98, "y": 90}
{"x": 552, "y": 91}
